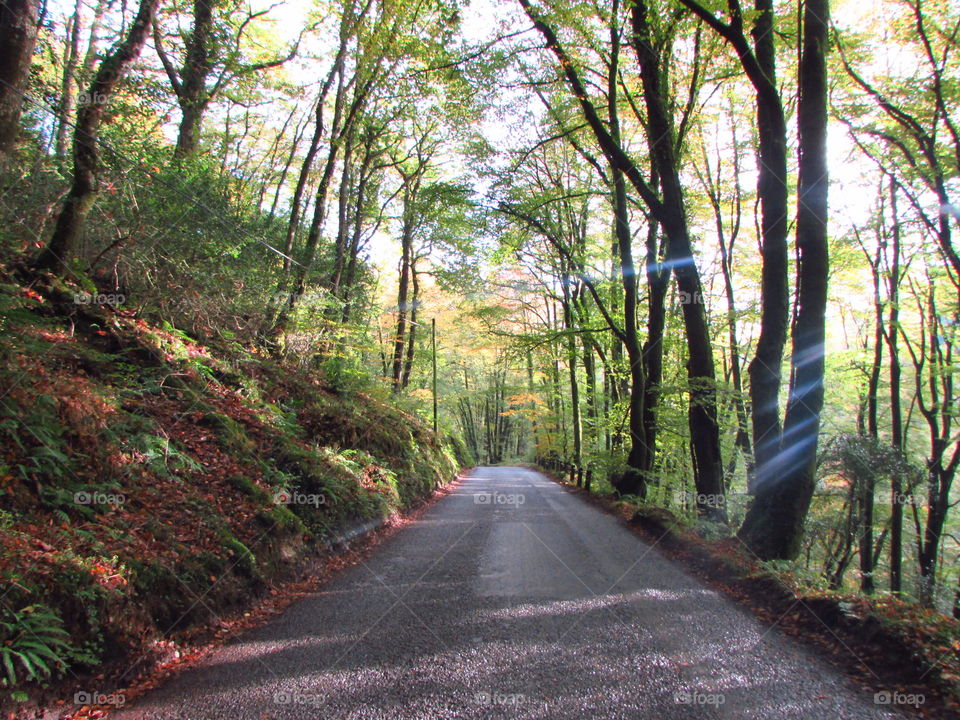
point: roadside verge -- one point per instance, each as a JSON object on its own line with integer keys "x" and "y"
{"x": 891, "y": 648}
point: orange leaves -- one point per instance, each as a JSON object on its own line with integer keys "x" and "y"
{"x": 107, "y": 574}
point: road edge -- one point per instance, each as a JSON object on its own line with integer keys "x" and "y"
{"x": 349, "y": 548}
{"x": 771, "y": 601}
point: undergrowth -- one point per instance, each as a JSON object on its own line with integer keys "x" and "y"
{"x": 149, "y": 484}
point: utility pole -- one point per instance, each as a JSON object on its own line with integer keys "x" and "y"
{"x": 433, "y": 336}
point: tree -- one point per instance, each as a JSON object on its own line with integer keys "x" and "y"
{"x": 86, "y": 138}
{"x": 18, "y": 35}
{"x": 212, "y": 54}
{"x": 412, "y": 171}
{"x": 667, "y": 208}
{"x": 759, "y": 63}
{"x": 549, "y": 196}
{"x": 773, "y": 527}
{"x": 904, "y": 121}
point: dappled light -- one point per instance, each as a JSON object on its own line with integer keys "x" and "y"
{"x": 479, "y": 359}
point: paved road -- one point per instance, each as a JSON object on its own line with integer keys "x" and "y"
{"x": 525, "y": 604}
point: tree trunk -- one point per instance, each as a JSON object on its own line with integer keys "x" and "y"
{"x": 773, "y": 527}
{"x": 86, "y": 150}
{"x": 590, "y": 435}
{"x": 641, "y": 456}
{"x": 192, "y": 95}
{"x": 896, "y": 414}
{"x": 18, "y": 36}
{"x": 866, "y": 534}
{"x": 345, "y": 285}
{"x": 71, "y": 60}
{"x": 344, "y": 201}
{"x": 403, "y": 301}
{"x": 702, "y": 411}
{"x": 867, "y": 584}
{"x": 572, "y": 362}
{"x": 658, "y": 283}
{"x": 412, "y": 333}
{"x": 764, "y": 369}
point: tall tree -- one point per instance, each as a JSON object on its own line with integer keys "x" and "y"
{"x": 667, "y": 207}
{"x": 759, "y": 63}
{"x": 773, "y": 526}
{"x": 71, "y": 62}
{"x": 19, "y": 23}
{"x": 86, "y": 141}
{"x": 413, "y": 173}
{"x": 662, "y": 137}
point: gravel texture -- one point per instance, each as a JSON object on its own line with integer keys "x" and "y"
{"x": 511, "y": 598}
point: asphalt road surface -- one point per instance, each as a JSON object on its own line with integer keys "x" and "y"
{"x": 511, "y": 598}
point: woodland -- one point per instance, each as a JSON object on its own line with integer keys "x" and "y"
{"x": 690, "y": 255}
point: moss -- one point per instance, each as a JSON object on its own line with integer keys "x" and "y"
{"x": 179, "y": 533}
{"x": 156, "y": 588}
{"x": 244, "y": 559}
{"x": 280, "y": 518}
{"x": 231, "y": 435}
{"x": 249, "y": 488}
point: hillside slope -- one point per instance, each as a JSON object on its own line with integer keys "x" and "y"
{"x": 149, "y": 484}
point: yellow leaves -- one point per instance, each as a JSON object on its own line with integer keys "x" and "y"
{"x": 525, "y": 399}
{"x": 422, "y": 394}
{"x": 527, "y": 405}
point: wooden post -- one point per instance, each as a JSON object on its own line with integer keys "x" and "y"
{"x": 433, "y": 335}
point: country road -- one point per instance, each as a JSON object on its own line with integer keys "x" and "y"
{"x": 511, "y": 598}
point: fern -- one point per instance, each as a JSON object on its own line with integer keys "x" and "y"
{"x": 33, "y": 645}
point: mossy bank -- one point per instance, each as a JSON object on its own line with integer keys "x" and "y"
{"x": 150, "y": 484}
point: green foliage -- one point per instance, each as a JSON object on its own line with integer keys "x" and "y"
{"x": 863, "y": 460}
{"x": 231, "y": 435}
{"x": 161, "y": 455}
{"x": 346, "y": 373}
{"x": 33, "y": 645}
{"x": 38, "y": 433}
{"x": 242, "y": 556}
{"x": 249, "y": 487}
{"x": 795, "y": 575}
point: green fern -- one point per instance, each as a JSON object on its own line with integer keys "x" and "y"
{"x": 33, "y": 645}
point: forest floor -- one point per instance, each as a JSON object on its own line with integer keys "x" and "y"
{"x": 153, "y": 489}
